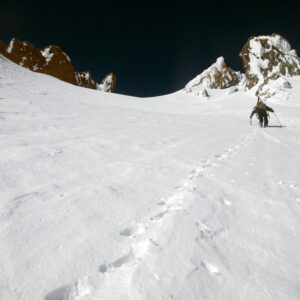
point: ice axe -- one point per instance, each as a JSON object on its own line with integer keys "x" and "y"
{"x": 277, "y": 120}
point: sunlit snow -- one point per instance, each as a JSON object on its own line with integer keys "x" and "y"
{"x": 105, "y": 196}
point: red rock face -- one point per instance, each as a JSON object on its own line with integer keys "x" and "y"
{"x": 85, "y": 79}
{"x": 51, "y": 61}
{"x": 57, "y": 64}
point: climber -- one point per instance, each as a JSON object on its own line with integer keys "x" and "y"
{"x": 261, "y": 111}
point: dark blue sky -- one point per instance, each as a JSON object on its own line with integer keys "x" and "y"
{"x": 153, "y": 47}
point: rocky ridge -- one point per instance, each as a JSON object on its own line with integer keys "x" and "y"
{"x": 51, "y": 61}
{"x": 268, "y": 61}
{"x": 268, "y": 57}
{"x": 217, "y": 76}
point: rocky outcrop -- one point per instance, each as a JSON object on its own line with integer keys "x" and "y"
{"x": 51, "y": 61}
{"x": 108, "y": 84}
{"x": 217, "y": 76}
{"x": 267, "y": 58}
{"x": 85, "y": 79}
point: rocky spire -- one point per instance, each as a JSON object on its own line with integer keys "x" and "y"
{"x": 217, "y": 76}
{"x": 108, "y": 83}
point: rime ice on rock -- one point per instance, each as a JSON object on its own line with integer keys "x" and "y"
{"x": 217, "y": 76}
{"x": 84, "y": 79}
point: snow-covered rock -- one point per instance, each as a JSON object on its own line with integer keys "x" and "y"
{"x": 108, "y": 84}
{"x": 217, "y": 76}
{"x": 268, "y": 57}
{"x": 278, "y": 88}
{"x": 84, "y": 79}
{"x": 51, "y": 61}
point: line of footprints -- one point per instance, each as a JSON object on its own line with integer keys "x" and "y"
{"x": 144, "y": 234}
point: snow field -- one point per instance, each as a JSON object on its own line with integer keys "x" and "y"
{"x": 105, "y": 196}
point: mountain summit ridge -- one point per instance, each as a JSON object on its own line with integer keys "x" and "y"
{"x": 267, "y": 61}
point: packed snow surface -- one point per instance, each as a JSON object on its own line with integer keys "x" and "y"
{"x": 105, "y": 196}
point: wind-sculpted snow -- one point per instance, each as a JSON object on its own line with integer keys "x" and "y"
{"x": 105, "y": 196}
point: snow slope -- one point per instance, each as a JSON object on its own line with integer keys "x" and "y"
{"x": 105, "y": 196}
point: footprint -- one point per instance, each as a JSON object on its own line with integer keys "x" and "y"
{"x": 159, "y": 216}
{"x": 103, "y": 268}
{"x": 117, "y": 263}
{"x": 129, "y": 231}
{"x": 70, "y": 292}
{"x": 205, "y": 166}
{"x": 123, "y": 260}
{"x": 136, "y": 229}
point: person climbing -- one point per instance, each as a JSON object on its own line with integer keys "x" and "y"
{"x": 261, "y": 111}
